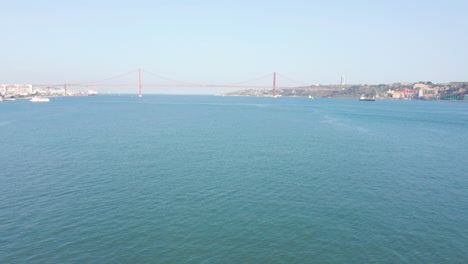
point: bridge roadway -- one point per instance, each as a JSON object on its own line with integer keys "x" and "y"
{"x": 140, "y": 85}
{"x": 317, "y": 88}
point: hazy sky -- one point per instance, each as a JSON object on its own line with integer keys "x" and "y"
{"x": 231, "y": 41}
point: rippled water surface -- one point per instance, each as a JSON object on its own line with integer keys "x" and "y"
{"x": 205, "y": 179}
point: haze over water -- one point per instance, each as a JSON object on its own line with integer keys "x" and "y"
{"x": 205, "y": 179}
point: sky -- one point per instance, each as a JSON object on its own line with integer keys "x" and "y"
{"x": 219, "y": 42}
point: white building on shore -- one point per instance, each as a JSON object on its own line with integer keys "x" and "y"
{"x": 16, "y": 89}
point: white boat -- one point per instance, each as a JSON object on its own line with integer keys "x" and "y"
{"x": 311, "y": 97}
{"x": 364, "y": 98}
{"x": 39, "y": 100}
{"x": 92, "y": 93}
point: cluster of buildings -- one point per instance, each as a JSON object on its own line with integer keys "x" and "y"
{"x": 424, "y": 91}
{"x": 25, "y": 90}
{"x": 16, "y": 89}
{"x": 419, "y": 91}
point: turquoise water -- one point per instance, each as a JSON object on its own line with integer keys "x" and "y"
{"x": 205, "y": 179}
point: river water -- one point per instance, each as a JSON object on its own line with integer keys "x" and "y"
{"x": 207, "y": 179}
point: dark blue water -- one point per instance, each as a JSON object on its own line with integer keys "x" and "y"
{"x": 205, "y": 179}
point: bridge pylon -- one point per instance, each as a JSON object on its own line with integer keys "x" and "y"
{"x": 139, "y": 83}
{"x": 274, "y": 85}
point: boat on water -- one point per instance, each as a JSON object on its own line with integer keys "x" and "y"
{"x": 92, "y": 92}
{"x": 39, "y": 100}
{"x": 9, "y": 98}
{"x": 311, "y": 97}
{"x": 364, "y": 98}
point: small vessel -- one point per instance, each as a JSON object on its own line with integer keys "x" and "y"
{"x": 311, "y": 97}
{"x": 39, "y": 100}
{"x": 92, "y": 92}
{"x": 9, "y": 98}
{"x": 364, "y": 98}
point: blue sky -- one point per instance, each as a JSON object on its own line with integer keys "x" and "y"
{"x": 228, "y": 41}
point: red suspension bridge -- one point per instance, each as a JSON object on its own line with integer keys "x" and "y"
{"x": 175, "y": 83}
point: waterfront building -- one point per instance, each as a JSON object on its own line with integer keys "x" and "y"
{"x": 16, "y": 89}
{"x": 403, "y": 94}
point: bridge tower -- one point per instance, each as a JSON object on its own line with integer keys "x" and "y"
{"x": 274, "y": 85}
{"x": 139, "y": 83}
